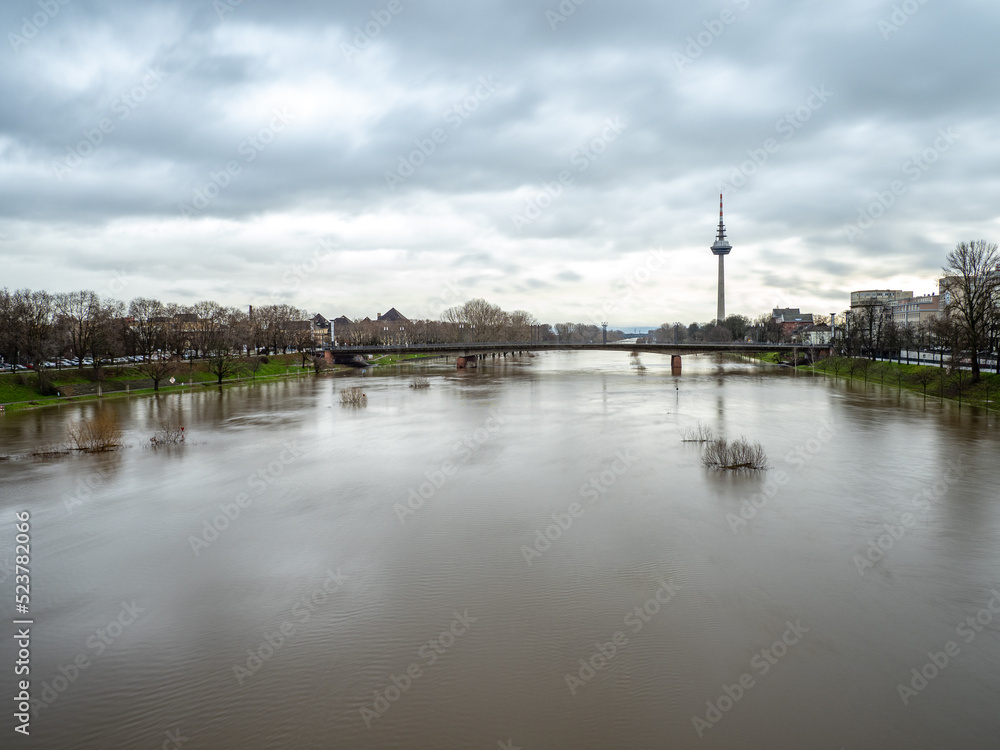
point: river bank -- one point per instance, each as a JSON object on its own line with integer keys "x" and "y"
{"x": 933, "y": 382}
{"x": 20, "y": 391}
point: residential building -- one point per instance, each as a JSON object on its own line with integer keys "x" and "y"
{"x": 321, "y": 330}
{"x": 392, "y": 316}
{"x": 817, "y": 334}
{"x": 791, "y": 319}
{"x": 885, "y": 296}
{"x": 917, "y": 310}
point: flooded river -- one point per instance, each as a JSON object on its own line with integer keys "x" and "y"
{"x": 525, "y": 555}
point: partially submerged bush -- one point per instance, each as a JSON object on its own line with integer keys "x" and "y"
{"x": 701, "y": 433}
{"x": 169, "y": 433}
{"x": 353, "y": 396}
{"x": 103, "y": 432}
{"x": 420, "y": 382}
{"x": 737, "y": 455}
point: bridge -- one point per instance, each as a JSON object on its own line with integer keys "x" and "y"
{"x": 470, "y": 352}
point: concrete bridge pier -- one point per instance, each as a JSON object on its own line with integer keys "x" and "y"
{"x": 675, "y": 364}
{"x": 468, "y": 360}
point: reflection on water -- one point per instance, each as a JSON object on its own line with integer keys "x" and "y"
{"x": 526, "y": 552}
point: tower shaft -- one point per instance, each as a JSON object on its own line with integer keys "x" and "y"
{"x": 722, "y": 248}
{"x": 722, "y": 290}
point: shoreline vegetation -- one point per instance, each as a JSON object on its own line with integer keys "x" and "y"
{"x": 19, "y": 391}
{"x": 929, "y": 381}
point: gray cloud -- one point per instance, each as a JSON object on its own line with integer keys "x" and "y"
{"x": 197, "y": 187}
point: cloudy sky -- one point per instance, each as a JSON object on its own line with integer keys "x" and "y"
{"x": 566, "y": 159}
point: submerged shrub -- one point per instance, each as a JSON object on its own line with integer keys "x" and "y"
{"x": 701, "y": 433}
{"x": 169, "y": 433}
{"x": 353, "y": 396}
{"x": 737, "y": 455}
{"x": 102, "y": 432}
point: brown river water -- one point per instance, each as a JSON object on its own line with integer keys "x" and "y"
{"x": 526, "y": 555}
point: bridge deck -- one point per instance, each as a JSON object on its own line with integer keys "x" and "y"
{"x": 509, "y": 346}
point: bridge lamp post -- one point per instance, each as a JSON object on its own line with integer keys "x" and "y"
{"x": 604, "y": 325}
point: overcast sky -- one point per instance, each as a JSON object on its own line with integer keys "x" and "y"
{"x": 345, "y": 157}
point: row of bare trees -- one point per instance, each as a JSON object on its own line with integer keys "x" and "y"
{"x": 479, "y": 320}
{"x": 763, "y": 328}
{"x": 36, "y": 326}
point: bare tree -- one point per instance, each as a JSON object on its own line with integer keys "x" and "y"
{"x": 738, "y": 326}
{"x": 836, "y": 364}
{"x": 217, "y": 336}
{"x": 482, "y": 320}
{"x": 520, "y": 324}
{"x": 157, "y": 369}
{"x": 871, "y": 319}
{"x": 971, "y": 286}
{"x": 78, "y": 313}
{"x": 147, "y": 329}
{"x": 34, "y": 338}
{"x": 923, "y": 377}
{"x": 860, "y": 365}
